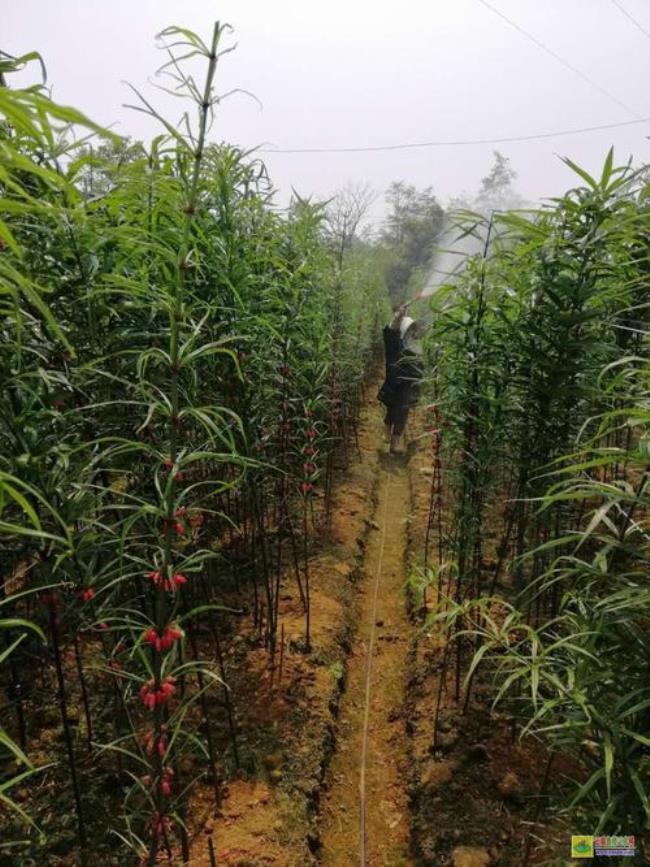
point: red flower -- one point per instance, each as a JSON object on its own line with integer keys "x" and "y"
{"x": 87, "y": 594}
{"x": 161, "y": 824}
{"x": 179, "y": 528}
{"x": 180, "y": 512}
{"x": 167, "y": 689}
{"x": 310, "y": 451}
{"x": 308, "y": 469}
{"x": 285, "y": 370}
{"x": 311, "y": 433}
{"x": 172, "y": 583}
{"x": 169, "y": 466}
{"x": 307, "y": 487}
{"x": 164, "y": 641}
{"x": 152, "y": 697}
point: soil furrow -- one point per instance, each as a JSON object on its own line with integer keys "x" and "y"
{"x": 382, "y": 611}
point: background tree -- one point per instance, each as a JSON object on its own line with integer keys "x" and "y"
{"x": 414, "y": 222}
{"x": 497, "y": 192}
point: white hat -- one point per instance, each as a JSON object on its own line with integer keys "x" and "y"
{"x": 404, "y": 325}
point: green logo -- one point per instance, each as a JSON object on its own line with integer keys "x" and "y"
{"x": 582, "y": 847}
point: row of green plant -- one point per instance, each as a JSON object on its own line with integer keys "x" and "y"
{"x": 182, "y": 366}
{"x": 540, "y": 372}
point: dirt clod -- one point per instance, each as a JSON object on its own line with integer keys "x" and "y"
{"x": 467, "y": 856}
{"x": 509, "y": 787}
{"x": 436, "y": 774}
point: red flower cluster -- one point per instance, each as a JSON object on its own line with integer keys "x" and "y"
{"x": 166, "y": 782}
{"x": 152, "y": 697}
{"x": 87, "y": 594}
{"x": 161, "y": 824}
{"x": 169, "y": 466}
{"x": 161, "y": 746}
{"x": 172, "y": 583}
{"x": 164, "y": 641}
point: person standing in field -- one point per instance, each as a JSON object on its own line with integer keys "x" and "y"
{"x": 399, "y": 391}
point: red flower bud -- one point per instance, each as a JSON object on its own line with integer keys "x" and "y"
{"x": 307, "y": 487}
{"x": 88, "y": 594}
{"x": 151, "y": 697}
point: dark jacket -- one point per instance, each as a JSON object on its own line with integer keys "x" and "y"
{"x": 403, "y": 371}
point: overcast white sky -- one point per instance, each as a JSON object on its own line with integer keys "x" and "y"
{"x": 368, "y": 72}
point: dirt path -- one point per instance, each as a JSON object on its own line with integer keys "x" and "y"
{"x": 370, "y": 764}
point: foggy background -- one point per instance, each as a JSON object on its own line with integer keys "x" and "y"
{"x": 368, "y": 73}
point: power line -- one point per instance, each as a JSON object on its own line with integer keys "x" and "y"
{"x": 633, "y": 20}
{"x": 560, "y": 59}
{"x": 456, "y": 143}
